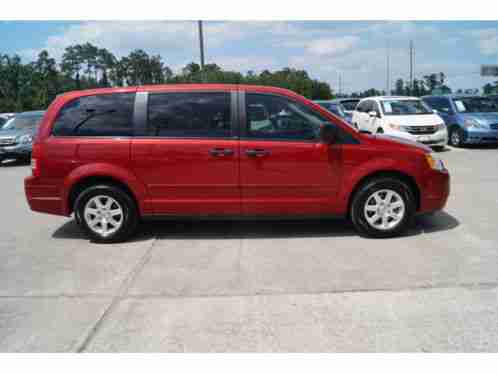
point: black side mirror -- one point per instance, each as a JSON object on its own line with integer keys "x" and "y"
{"x": 328, "y": 134}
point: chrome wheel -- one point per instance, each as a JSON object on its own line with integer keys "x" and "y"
{"x": 103, "y": 215}
{"x": 384, "y": 209}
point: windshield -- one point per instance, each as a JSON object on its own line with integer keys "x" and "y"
{"x": 22, "y": 123}
{"x": 349, "y": 105}
{"x": 475, "y": 105}
{"x": 404, "y": 107}
{"x": 2, "y": 121}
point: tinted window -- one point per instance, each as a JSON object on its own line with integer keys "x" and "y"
{"x": 100, "y": 115}
{"x": 191, "y": 115}
{"x": 284, "y": 119}
{"x": 440, "y": 104}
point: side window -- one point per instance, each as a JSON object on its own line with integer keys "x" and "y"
{"x": 441, "y": 105}
{"x": 360, "y": 106}
{"x": 276, "y": 117}
{"x": 367, "y": 107}
{"x": 375, "y": 107}
{"x": 189, "y": 114}
{"x": 99, "y": 115}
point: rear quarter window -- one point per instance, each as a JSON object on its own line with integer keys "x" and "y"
{"x": 97, "y": 115}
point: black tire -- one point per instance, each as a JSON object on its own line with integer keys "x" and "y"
{"x": 380, "y": 130}
{"x": 364, "y": 193}
{"x": 454, "y": 134}
{"x": 130, "y": 216}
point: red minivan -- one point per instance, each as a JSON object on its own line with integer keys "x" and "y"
{"x": 115, "y": 156}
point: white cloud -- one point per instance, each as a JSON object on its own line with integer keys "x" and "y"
{"x": 332, "y": 46}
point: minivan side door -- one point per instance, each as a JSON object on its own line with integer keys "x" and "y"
{"x": 284, "y": 168}
{"x": 186, "y": 152}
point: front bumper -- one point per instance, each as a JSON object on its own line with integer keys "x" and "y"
{"x": 480, "y": 136}
{"x": 439, "y": 138}
{"x": 434, "y": 193}
{"x": 15, "y": 151}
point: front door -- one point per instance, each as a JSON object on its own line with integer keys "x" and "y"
{"x": 186, "y": 153}
{"x": 284, "y": 169}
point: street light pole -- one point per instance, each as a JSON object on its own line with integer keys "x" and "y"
{"x": 201, "y": 47}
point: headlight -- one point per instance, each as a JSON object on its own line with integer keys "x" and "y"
{"x": 396, "y": 127}
{"x": 441, "y": 126}
{"x": 472, "y": 123}
{"x": 26, "y": 139}
{"x": 434, "y": 162}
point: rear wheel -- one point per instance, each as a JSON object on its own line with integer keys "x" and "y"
{"x": 106, "y": 213}
{"x": 383, "y": 207}
{"x": 380, "y": 130}
{"x": 455, "y": 137}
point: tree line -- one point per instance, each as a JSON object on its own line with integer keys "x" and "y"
{"x": 33, "y": 85}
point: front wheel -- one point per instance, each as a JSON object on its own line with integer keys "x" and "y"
{"x": 106, "y": 213}
{"x": 455, "y": 137}
{"x": 382, "y": 208}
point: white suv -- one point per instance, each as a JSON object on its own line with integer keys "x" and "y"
{"x": 403, "y": 117}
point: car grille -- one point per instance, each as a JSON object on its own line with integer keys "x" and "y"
{"x": 494, "y": 126}
{"x": 7, "y": 141}
{"x": 421, "y": 130}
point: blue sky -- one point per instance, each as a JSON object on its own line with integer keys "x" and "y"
{"x": 354, "y": 49}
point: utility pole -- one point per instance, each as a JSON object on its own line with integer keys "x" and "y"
{"x": 340, "y": 84}
{"x": 411, "y": 67}
{"x": 201, "y": 47}
{"x": 388, "y": 72}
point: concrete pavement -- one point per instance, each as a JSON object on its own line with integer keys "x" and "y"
{"x": 256, "y": 286}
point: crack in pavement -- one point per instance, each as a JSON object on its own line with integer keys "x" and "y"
{"x": 123, "y": 289}
{"x": 122, "y": 296}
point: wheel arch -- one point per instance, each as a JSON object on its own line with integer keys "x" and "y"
{"x": 404, "y": 177}
{"x": 88, "y": 176}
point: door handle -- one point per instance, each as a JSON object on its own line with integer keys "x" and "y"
{"x": 221, "y": 152}
{"x": 257, "y": 152}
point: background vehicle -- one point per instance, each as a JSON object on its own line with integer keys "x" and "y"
{"x": 114, "y": 156}
{"x": 4, "y": 117}
{"x": 403, "y": 117}
{"x": 470, "y": 119}
{"x": 16, "y": 135}
{"x": 335, "y": 106}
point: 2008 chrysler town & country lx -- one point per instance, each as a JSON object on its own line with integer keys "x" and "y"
{"x": 115, "y": 156}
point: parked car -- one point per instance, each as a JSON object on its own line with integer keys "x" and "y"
{"x": 470, "y": 119}
{"x": 4, "y": 117}
{"x": 335, "y": 106}
{"x": 348, "y": 104}
{"x": 403, "y": 117}
{"x": 16, "y": 135}
{"x": 116, "y": 156}
{"x": 493, "y": 98}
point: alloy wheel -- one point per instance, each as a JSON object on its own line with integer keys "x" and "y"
{"x": 384, "y": 209}
{"x": 103, "y": 215}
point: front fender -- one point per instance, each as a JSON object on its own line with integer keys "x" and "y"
{"x": 107, "y": 170}
{"x": 354, "y": 174}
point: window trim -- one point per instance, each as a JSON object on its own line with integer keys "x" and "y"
{"x": 142, "y": 117}
{"x": 133, "y": 123}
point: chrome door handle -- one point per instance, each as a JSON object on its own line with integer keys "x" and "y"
{"x": 221, "y": 152}
{"x": 257, "y": 152}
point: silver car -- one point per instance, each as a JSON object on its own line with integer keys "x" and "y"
{"x": 16, "y": 135}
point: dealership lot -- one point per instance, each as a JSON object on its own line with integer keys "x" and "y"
{"x": 256, "y": 286}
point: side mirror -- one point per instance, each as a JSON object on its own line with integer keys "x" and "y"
{"x": 373, "y": 113}
{"x": 328, "y": 134}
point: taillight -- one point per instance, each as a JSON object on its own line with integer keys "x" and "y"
{"x": 35, "y": 161}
